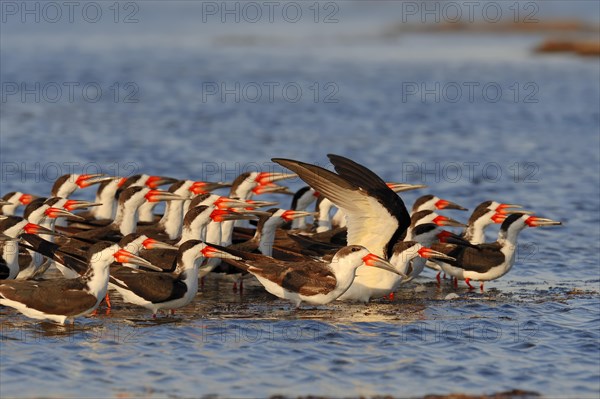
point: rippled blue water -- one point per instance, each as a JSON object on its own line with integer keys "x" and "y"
{"x": 537, "y": 145}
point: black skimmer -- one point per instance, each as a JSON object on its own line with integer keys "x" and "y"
{"x": 376, "y": 215}
{"x": 169, "y": 225}
{"x": 125, "y": 223}
{"x": 205, "y": 187}
{"x": 71, "y": 259}
{"x": 221, "y": 202}
{"x": 126, "y": 220}
{"x": 195, "y": 223}
{"x": 13, "y": 227}
{"x": 323, "y": 221}
{"x": 171, "y": 222}
{"x": 201, "y": 189}
{"x": 486, "y": 262}
{"x": 62, "y": 208}
{"x": 44, "y": 212}
{"x": 268, "y": 188}
{"x": 158, "y": 291}
{"x": 301, "y": 200}
{"x": 107, "y": 193}
{"x": 313, "y": 281}
{"x": 41, "y": 210}
{"x": 9, "y": 257}
{"x": 225, "y": 229}
{"x": 242, "y": 186}
{"x": 60, "y": 300}
{"x": 228, "y": 228}
{"x": 134, "y": 243}
{"x": 404, "y": 253}
{"x": 190, "y": 189}
{"x": 14, "y": 200}
{"x": 432, "y": 203}
{"x": 427, "y": 216}
{"x": 77, "y": 221}
{"x": 220, "y": 229}
{"x": 66, "y": 185}
{"x": 146, "y": 212}
{"x": 141, "y": 180}
{"x": 326, "y": 238}
{"x": 426, "y": 234}
{"x": 105, "y": 198}
{"x": 484, "y": 215}
{"x": 339, "y": 218}
{"x": 265, "y": 236}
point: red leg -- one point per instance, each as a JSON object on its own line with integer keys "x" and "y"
{"x": 172, "y": 311}
{"x": 241, "y": 285}
{"x": 444, "y": 276}
{"x": 235, "y": 286}
{"x": 481, "y": 286}
{"x": 107, "y": 300}
{"x": 455, "y": 281}
{"x": 437, "y": 277}
{"x": 154, "y": 315}
{"x": 467, "y": 280}
{"x": 94, "y": 313}
{"x": 391, "y": 296}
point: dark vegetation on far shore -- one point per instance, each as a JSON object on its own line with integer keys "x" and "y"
{"x": 562, "y": 36}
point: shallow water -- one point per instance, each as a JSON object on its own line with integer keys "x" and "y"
{"x": 541, "y": 337}
{"x": 537, "y": 329}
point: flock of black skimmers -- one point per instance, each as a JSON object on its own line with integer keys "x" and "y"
{"x": 369, "y": 247}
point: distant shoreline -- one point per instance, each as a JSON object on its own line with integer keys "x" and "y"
{"x": 581, "y": 37}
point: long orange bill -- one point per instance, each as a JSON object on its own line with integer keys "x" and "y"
{"x": 380, "y": 263}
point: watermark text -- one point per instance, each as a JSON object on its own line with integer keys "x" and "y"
{"x": 53, "y": 12}
{"x": 69, "y": 92}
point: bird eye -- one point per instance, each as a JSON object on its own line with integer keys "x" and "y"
{"x": 354, "y": 249}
